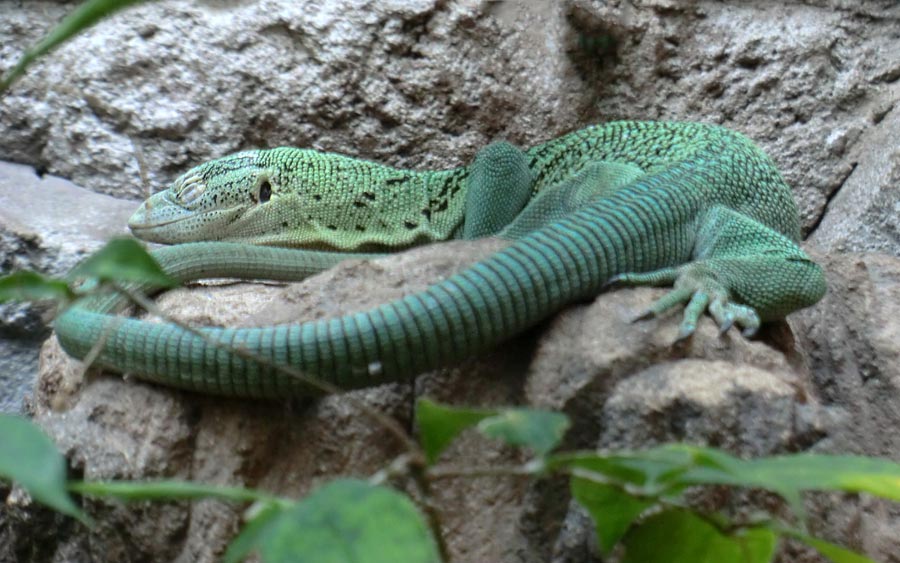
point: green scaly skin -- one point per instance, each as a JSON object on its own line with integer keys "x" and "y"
{"x": 694, "y": 206}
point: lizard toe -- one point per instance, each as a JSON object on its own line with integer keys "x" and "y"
{"x": 699, "y": 293}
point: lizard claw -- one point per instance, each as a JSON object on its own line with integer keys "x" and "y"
{"x": 725, "y": 327}
{"x": 698, "y": 292}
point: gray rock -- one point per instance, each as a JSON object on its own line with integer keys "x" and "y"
{"x": 47, "y": 224}
{"x": 865, "y": 214}
{"x": 18, "y": 371}
{"x": 851, "y": 343}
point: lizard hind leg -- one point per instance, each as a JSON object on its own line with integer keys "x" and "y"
{"x": 742, "y": 272}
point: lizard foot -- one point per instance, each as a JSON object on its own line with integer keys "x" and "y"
{"x": 698, "y": 291}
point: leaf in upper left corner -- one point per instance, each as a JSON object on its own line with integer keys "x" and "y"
{"x": 81, "y": 18}
{"x": 123, "y": 260}
{"x": 25, "y": 285}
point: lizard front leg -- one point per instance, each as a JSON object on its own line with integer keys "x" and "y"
{"x": 742, "y": 272}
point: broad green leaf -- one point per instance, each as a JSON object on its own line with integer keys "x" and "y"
{"x": 835, "y": 553}
{"x": 655, "y": 470}
{"x": 29, "y": 457}
{"x": 612, "y": 509}
{"x": 31, "y": 286}
{"x": 347, "y": 521}
{"x": 679, "y": 536}
{"x": 804, "y": 472}
{"x": 440, "y": 424}
{"x": 250, "y": 536}
{"x": 84, "y": 16}
{"x": 123, "y": 260}
{"x": 678, "y": 466}
{"x": 539, "y": 430}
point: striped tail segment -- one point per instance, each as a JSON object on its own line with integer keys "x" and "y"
{"x": 466, "y": 314}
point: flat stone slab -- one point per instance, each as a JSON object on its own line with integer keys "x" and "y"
{"x": 47, "y": 224}
{"x": 57, "y": 215}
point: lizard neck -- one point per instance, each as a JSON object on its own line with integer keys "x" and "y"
{"x": 343, "y": 203}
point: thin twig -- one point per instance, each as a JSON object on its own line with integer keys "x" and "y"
{"x": 142, "y": 167}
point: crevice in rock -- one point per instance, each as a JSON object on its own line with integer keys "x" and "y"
{"x": 829, "y": 197}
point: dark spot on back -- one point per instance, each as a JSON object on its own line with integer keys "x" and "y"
{"x": 426, "y": 213}
{"x": 359, "y": 204}
{"x": 317, "y": 197}
{"x": 410, "y": 224}
{"x": 369, "y": 195}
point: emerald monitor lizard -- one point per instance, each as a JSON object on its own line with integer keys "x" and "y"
{"x": 693, "y": 206}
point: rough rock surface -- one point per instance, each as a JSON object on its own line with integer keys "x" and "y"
{"x": 47, "y": 224}
{"x": 425, "y": 83}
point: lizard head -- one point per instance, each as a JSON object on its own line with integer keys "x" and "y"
{"x": 289, "y": 197}
{"x": 212, "y": 201}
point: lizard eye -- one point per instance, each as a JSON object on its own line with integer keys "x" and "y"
{"x": 190, "y": 189}
{"x": 265, "y": 191}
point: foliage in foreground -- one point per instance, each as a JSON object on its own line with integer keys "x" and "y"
{"x": 635, "y": 498}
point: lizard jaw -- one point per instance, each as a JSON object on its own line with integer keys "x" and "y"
{"x": 159, "y": 220}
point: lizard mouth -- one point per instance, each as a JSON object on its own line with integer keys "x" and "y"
{"x": 159, "y": 220}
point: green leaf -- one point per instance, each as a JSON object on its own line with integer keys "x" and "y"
{"x": 656, "y": 471}
{"x": 440, "y": 424}
{"x": 879, "y": 477}
{"x": 680, "y": 536}
{"x": 86, "y": 15}
{"x": 31, "y": 286}
{"x": 789, "y": 475}
{"x": 346, "y": 521}
{"x": 835, "y": 553}
{"x": 539, "y": 430}
{"x": 612, "y": 509}
{"x": 123, "y": 260}
{"x": 252, "y": 533}
{"x": 29, "y": 457}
